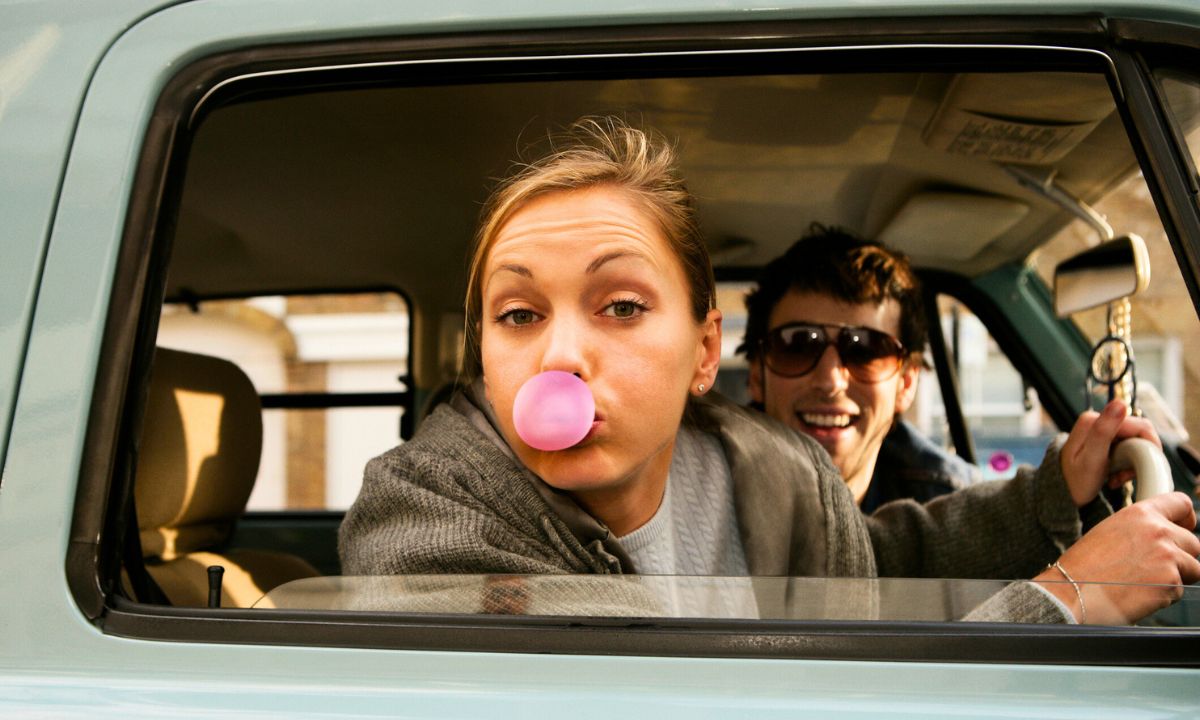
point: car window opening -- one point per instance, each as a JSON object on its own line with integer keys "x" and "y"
{"x": 262, "y": 412}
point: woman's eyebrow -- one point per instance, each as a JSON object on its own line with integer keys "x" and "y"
{"x": 513, "y": 268}
{"x": 596, "y": 264}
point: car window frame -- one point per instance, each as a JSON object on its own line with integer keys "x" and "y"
{"x": 101, "y": 516}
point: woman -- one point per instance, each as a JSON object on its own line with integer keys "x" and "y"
{"x": 589, "y": 262}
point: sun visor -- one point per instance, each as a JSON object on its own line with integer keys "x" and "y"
{"x": 951, "y": 226}
{"x": 990, "y": 117}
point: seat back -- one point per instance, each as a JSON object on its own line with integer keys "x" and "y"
{"x": 199, "y": 458}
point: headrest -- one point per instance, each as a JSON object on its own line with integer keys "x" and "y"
{"x": 201, "y": 444}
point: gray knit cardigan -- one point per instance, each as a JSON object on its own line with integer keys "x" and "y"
{"x": 452, "y": 500}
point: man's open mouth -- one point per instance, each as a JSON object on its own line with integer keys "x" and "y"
{"x": 827, "y": 420}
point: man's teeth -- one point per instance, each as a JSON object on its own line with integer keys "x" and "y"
{"x": 833, "y": 421}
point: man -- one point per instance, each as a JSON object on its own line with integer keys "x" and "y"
{"x": 835, "y": 339}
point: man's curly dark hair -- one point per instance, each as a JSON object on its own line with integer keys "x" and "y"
{"x": 833, "y": 261}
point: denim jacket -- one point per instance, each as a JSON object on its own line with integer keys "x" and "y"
{"x": 911, "y": 466}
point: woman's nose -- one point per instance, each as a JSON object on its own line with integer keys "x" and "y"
{"x": 830, "y": 375}
{"x": 566, "y": 348}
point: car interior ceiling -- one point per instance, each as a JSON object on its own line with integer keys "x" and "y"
{"x": 280, "y": 190}
{"x": 381, "y": 187}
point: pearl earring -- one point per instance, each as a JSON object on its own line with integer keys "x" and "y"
{"x": 700, "y": 387}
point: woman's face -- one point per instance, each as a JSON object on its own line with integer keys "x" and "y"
{"x": 584, "y": 282}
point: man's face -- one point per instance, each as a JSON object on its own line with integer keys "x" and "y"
{"x": 847, "y": 416}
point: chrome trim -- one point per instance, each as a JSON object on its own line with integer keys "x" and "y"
{"x": 651, "y": 54}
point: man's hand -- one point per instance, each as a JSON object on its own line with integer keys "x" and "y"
{"x": 1085, "y": 455}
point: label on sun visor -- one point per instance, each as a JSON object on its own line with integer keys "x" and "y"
{"x": 1002, "y": 139}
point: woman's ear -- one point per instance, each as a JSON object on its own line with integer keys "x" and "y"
{"x": 708, "y": 353}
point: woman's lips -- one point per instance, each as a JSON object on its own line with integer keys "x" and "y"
{"x": 592, "y": 432}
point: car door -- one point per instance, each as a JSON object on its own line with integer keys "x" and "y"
{"x": 78, "y": 642}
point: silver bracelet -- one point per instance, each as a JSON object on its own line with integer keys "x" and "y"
{"x": 1078, "y": 592}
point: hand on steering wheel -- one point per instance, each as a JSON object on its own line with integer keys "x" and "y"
{"x": 1138, "y": 560}
{"x": 1086, "y": 455}
{"x": 1131, "y": 564}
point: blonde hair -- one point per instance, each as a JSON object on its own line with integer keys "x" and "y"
{"x": 597, "y": 152}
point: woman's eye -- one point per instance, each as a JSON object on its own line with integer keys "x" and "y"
{"x": 623, "y": 309}
{"x": 516, "y": 316}
{"x": 520, "y": 317}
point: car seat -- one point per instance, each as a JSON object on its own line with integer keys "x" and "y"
{"x": 199, "y": 458}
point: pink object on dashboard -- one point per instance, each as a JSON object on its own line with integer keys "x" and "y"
{"x": 553, "y": 410}
{"x": 1001, "y": 461}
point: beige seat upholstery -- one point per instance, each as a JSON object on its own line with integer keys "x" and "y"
{"x": 199, "y": 457}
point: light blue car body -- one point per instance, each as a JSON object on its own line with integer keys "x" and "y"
{"x": 78, "y": 82}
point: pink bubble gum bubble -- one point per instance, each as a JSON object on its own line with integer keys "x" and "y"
{"x": 553, "y": 410}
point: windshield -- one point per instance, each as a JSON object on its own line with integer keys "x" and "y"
{"x": 1165, "y": 333}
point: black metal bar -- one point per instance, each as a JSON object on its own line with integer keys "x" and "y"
{"x": 960, "y": 434}
{"x": 666, "y": 637}
{"x": 318, "y": 400}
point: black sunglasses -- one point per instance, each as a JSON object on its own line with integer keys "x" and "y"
{"x": 794, "y": 349}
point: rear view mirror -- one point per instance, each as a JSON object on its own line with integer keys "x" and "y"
{"x": 1110, "y": 271}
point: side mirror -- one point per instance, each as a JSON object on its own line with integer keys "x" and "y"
{"x": 1097, "y": 276}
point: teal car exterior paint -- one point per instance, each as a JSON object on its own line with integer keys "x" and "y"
{"x": 80, "y": 102}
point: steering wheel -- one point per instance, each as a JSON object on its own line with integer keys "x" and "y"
{"x": 1148, "y": 461}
